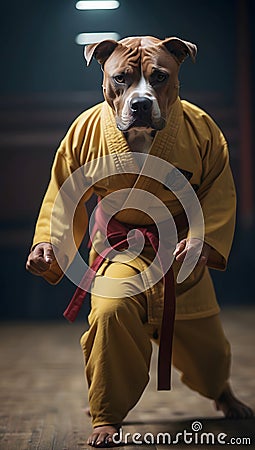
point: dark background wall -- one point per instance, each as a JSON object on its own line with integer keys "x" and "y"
{"x": 45, "y": 85}
{"x": 40, "y": 53}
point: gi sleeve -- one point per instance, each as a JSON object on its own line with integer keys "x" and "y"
{"x": 63, "y": 218}
{"x": 217, "y": 196}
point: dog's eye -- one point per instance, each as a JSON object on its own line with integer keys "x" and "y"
{"x": 119, "y": 79}
{"x": 160, "y": 77}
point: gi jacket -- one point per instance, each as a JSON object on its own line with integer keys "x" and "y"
{"x": 192, "y": 142}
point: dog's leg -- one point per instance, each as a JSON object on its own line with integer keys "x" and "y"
{"x": 102, "y": 436}
{"x": 231, "y": 407}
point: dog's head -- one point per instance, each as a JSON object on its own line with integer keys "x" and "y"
{"x": 141, "y": 77}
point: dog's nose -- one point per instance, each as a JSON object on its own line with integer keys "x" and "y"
{"x": 141, "y": 105}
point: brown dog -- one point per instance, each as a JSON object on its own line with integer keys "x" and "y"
{"x": 141, "y": 86}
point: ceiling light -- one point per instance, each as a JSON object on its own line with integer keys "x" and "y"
{"x": 91, "y": 38}
{"x": 98, "y": 4}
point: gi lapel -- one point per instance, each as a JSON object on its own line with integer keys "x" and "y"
{"x": 116, "y": 143}
{"x": 162, "y": 146}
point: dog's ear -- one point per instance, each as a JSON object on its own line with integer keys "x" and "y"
{"x": 101, "y": 51}
{"x": 180, "y": 49}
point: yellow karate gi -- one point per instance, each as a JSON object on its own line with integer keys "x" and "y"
{"x": 117, "y": 346}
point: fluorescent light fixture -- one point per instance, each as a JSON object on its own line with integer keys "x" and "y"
{"x": 91, "y": 38}
{"x": 98, "y": 4}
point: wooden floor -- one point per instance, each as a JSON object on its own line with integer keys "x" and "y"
{"x": 43, "y": 393}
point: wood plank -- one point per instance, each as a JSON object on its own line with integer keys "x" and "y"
{"x": 43, "y": 393}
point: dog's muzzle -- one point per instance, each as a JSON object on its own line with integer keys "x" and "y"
{"x": 139, "y": 112}
{"x": 141, "y": 109}
{"x": 141, "y": 106}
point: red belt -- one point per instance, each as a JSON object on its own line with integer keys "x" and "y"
{"x": 117, "y": 236}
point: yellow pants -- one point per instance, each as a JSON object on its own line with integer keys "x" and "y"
{"x": 117, "y": 351}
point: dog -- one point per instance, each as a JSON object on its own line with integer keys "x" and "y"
{"x": 141, "y": 87}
